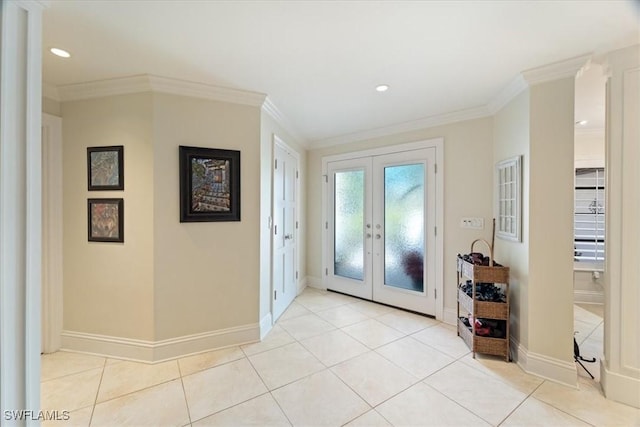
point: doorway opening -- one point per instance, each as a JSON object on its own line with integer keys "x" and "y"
{"x": 284, "y": 233}
{"x": 381, "y": 211}
{"x": 589, "y": 215}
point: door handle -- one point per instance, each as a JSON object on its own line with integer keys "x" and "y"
{"x": 378, "y": 236}
{"x": 368, "y": 235}
{"x": 288, "y": 236}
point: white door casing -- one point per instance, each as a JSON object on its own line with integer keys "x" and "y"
{"x": 372, "y": 282}
{"x": 51, "y": 233}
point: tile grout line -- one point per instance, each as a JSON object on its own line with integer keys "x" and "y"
{"x": 280, "y": 407}
{"x": 531, "y": 396}
{"x": 184, "y": 392}
{"x": 555, "y": 407}
{"x": 95, "y": 401}
{"x": 521, "y": 403}
{"x": 70, "y": 374}
{"x": 456, "y": 403}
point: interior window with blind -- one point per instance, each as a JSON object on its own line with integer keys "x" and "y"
{"x": 589, "y": 215}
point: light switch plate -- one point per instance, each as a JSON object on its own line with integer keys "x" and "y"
{"x": 475, "y": 223}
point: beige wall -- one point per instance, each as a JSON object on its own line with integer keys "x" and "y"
{"x": 551, "y": 185}
{"x": 586, "y": 288}
{"x": 467, "y": 191}
{"x": 51, "y": 106}
{"x": 269, "y": 128}
{"x": 511, "y": 138}
{"x": 206, "y": 274}
{"x": 108, "y": 287}
{"x": 538, "y": 124}
{"x": 620, "y": 368}
{"x": 168, "y": 279}
{"x": 589, "y": 149}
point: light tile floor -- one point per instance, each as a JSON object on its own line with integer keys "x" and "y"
{"x": 330, "y": 360}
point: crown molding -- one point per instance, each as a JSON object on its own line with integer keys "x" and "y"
{"x": 200, "y": 90}
{"x": 513, "y": 89}
{"x": 50, "y": 91}
{"x": 272, "y": 110}
{"x": 557, "y": 70}
{"x": 102, "y": 88}
{"x": 424, "y": 123}
{"x": 33, "y": 4}
{"x": 151, "y": 83}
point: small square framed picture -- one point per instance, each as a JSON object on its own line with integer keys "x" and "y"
{"x": 106, "y": 220}
{"x": 105, "y": 168}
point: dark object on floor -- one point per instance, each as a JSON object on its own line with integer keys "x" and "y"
{"x": 579, "y": 359}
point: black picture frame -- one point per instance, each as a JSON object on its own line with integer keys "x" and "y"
{"x": 105, "y": 220}
{"x": 209, "y": 184}
{"x": 105, "y": 168}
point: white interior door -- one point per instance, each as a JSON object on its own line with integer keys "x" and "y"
{"x": 381, "y": 228}
{"x": 284, "y": 229}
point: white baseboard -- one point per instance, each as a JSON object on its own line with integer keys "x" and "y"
{"x": 450, "y": 316}
{"x": 620, "y": 388}
{"x": 265, "y": 325}
{"x": 316, "y": 283}
{"x": 549, "y": 368}
{"x": 588, "y": 297}
{"x": 159, "y": 351}
{"x": 302, "y": 284}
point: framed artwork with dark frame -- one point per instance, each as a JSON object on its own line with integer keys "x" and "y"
{"x": 105, "y": 168}
{"x": 106, "y": 220}
{"x": 209, "y": 184}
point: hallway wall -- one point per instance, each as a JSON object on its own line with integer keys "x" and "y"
{"x": 108, "y": 287}
{"x": 206, "y": 274}
{"x": 171, "y": 288}
{"x": 468, "y": 178}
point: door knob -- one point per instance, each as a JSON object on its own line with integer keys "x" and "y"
{"x": 368, "y": 235}
{"x": 288, "y": 236}
{"x": 378, "y": 236}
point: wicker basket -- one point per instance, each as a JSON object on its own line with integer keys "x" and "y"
{"x": 484, "y": 345}
{"x": 483, "y": 273}
{"x": 483, "y": 309}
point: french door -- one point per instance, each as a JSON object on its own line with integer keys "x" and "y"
{"x": 381, "y": 228}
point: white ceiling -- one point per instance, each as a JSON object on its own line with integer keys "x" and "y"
{"x": 319, "y": 61}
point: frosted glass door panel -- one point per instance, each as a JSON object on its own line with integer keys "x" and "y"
{"x": 349, "y": 224}
{"x": 379, "y": 208}
{"x": 404, "y": 220}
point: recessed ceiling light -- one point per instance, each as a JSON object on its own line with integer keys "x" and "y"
{"x": 382, "y": 88}
{"x": 581, "y": 122}
{"x": 60, "y": 52}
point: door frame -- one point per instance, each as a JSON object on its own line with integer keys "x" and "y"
{"x": 438, "y": 145}
{"x": 52, "y": 275}
{"x": 276, "y": 140}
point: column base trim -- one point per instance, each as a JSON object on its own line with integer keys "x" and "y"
{"x": 159, "y": 351}
{"x": 549, "y": 368}
{"x": 620, "y": 388}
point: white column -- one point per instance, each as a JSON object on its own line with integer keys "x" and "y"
{"x": 20, "y": 206}
{"x": 620, "y": 366}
